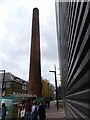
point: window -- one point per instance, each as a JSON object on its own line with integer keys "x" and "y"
{"x": 8, "y": 84}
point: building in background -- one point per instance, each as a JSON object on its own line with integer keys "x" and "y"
{"x": 73, "y": 34}
{"x": 13, "y": 85}
{"x": 48, "y": 90}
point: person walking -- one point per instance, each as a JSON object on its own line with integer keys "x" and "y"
{"x": 34, "y": 111}
{"x": 22, "y": 113}
{"x": 28, "y": 107}
{"x": 48, "y": 103}
{"x": 3, "y": 111}
{"x": 41, "y": 111}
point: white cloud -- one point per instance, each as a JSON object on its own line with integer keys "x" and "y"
{"x": 15, "y": 36}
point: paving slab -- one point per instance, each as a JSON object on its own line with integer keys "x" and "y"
{"x": 53, "y": 113}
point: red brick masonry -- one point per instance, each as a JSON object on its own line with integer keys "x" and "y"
{"x": 35, "y": 64}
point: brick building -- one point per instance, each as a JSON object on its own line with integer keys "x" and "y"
{"x": 13, "y": 85}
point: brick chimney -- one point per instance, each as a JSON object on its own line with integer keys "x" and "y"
{"x": 35, "y": 63}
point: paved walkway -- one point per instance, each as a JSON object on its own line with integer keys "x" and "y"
{"x": 53, "y": 113}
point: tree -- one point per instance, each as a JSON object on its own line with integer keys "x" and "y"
{"x": 48, "y": 90}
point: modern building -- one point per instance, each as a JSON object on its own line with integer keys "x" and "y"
{"x": 73, "y": 35}
{"x": 13, "y": 85}
{"x": 59, "y": 89}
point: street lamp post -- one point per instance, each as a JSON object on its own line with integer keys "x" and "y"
{"x": 56, "y": 86}
{"x": 48, "y": 90}
{"x": 2, "y": 81}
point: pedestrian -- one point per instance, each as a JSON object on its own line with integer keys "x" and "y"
{"x": 3, "y": 111}
{"x": 19, "y": 111}
{"x": 22, "y": 113}
{"x": 34, "y": 111}
{"x": 28, "y": 107}
{"x": 48, "y": 103}
{"x": 15, "y": 111}
{"x": 41, "y": 111}
{"x": 23, "y": 103}
{"x": 45, "y": 104}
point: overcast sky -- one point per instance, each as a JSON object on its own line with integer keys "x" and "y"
{"x": 15, "y": 36}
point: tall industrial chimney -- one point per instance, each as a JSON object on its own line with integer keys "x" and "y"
{"x": 35, "y": 64}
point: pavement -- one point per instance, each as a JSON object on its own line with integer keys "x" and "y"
{"x": 53, "y": 113}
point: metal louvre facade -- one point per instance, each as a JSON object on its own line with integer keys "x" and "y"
{"x": 73, "y": 34}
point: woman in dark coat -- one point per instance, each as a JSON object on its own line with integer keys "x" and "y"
{"x": 3, "y": 111}
{"x": 41, "y": 111}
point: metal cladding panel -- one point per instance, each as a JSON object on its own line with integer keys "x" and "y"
{"x": 35, "y": 64}
{"x": 74, "y": 51}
